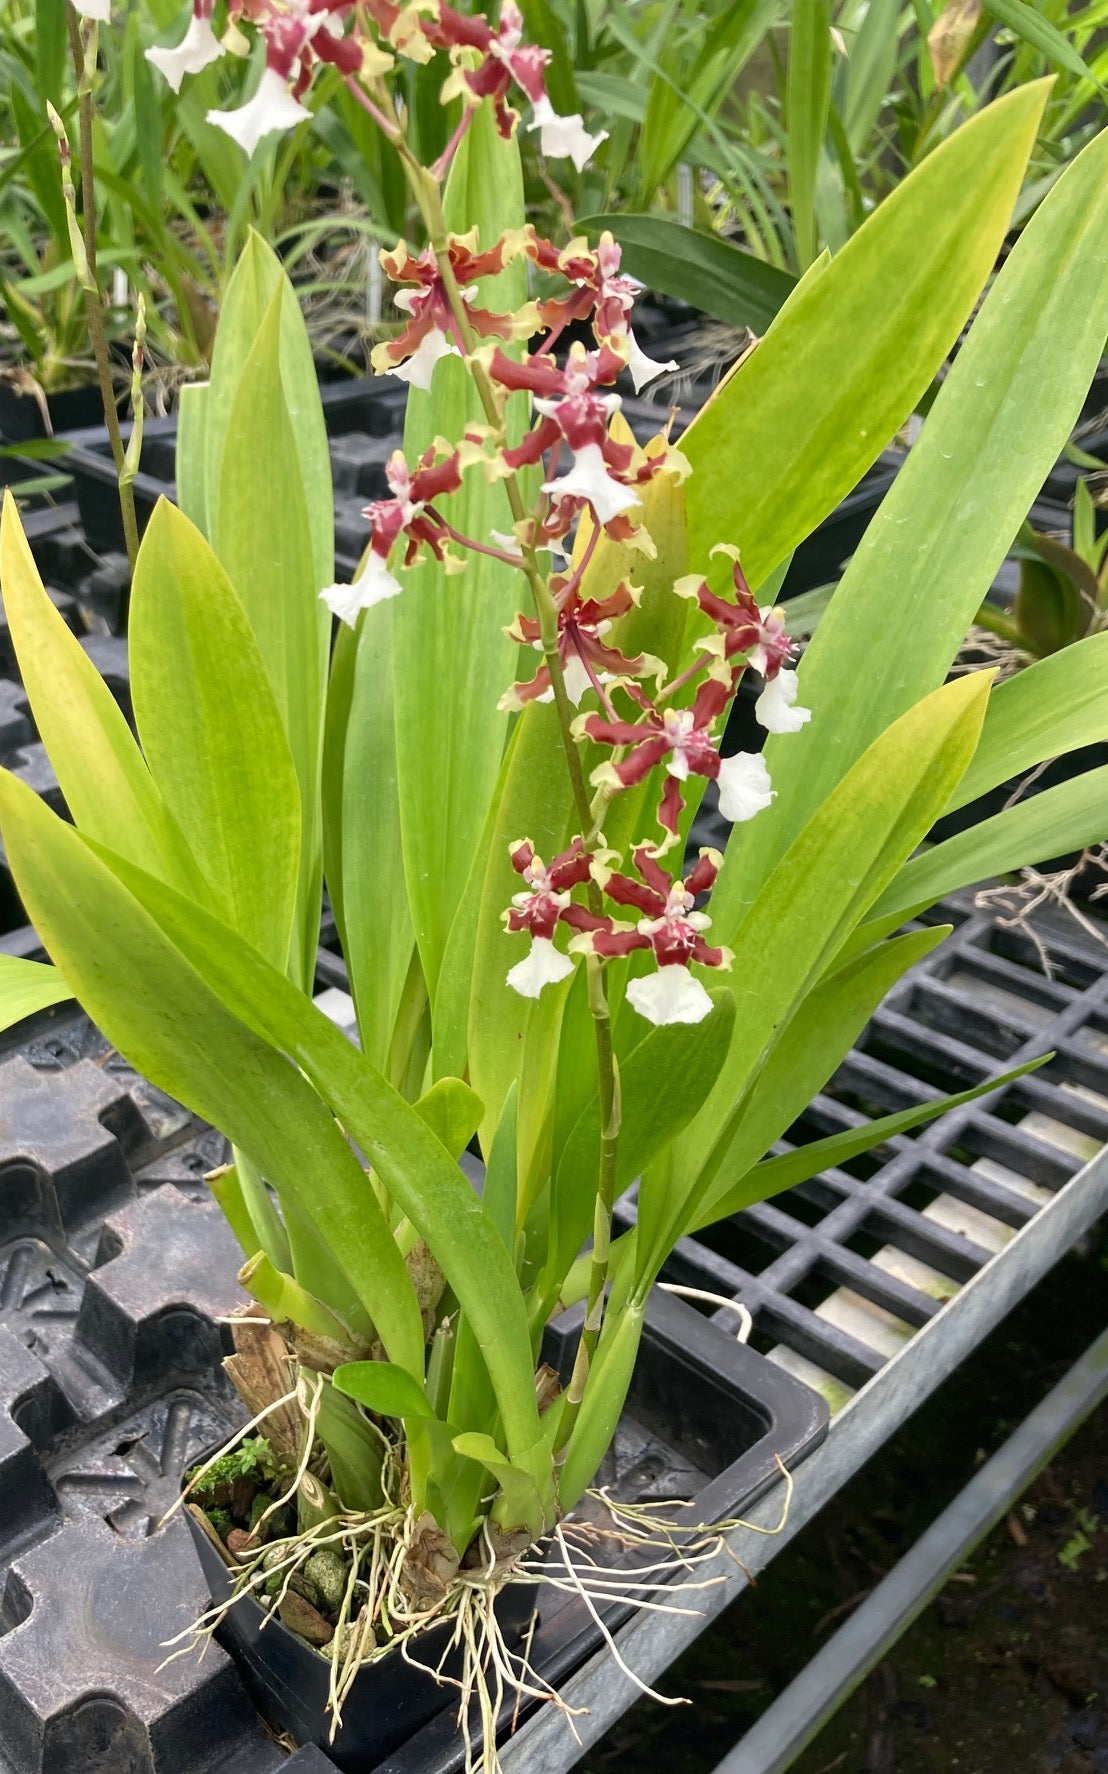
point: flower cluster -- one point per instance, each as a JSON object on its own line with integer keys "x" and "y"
{"x": 487, "y": 63}
{"x": 635, "y": 722}
{"x": 669, "y": 926}
{"x": 680, "y": 740}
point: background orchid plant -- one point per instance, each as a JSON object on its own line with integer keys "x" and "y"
{"x": 512, "y": 725}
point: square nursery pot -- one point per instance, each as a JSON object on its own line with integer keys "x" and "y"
{"x": 706, "y": 1421}
{"x": 21, "y": 419}
{"x": 365, "y": 423}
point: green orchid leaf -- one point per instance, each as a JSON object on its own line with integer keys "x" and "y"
{"x": 808, "y": 102}
{"x": 403, "y": 1151}
{"x": 803, "y": 418}
{"x": 211, "y": 730}
{"x": 501, "y": 1180}
{"x": 26, "y": 987}
{"x": 361, "y": 778}
{"x": 106, "y": 784}
{"x": 383, "y": 1388}
{"x": 453, "y": 1113}
{"x": 520, "y": 1504}
{"x": 1069, "y": 817}
{"x": 946, "y": 524}
{"x": 1054, "y": 706}
{"x": 263, "y": 538}
{"x": 773, "y": 1175}
{"x": 812, "y": 1043}
{"x": 206, "y": 432}
{"x": 125, "y": 969}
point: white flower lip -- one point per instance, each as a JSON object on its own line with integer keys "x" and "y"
{"x": 589, "y": 479}
{"x": 100, "y": 11}
{"x": 776, "y": 708}
{"x": 671, "y": 995}
{"x": 563, "y": 138}
{"x": 198, "y": 48}
{"x": 271, "y": 108}
{"x": 420, "y": 367}
{"x": 374, "y": 584}
{"x": 744, "y": 786}
{"x": 643, "y": 369}
{"x": 543, "y": 966}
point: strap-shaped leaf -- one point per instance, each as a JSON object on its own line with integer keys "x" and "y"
{"x": 909, "y": 595}
{"x": 407, "y": 1156}
{"x": 377, "y": 932}
{"x": 774, "y": 1175}
{"x": 812, "y": 1045}
{"x": 107, "y": 787}
{"x": 127, "y": 972}
{"x": 1059, "y": 820}
{"x": 795, "y": 428}
{"x": 1054, "y": 706}
{"x": 205, "y": 432}
{"x": 211, "y": 730}
{"x": 263, "y": 538}
{"x": 26, "y": 987}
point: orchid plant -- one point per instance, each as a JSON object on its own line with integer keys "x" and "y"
{"x": 494, "y": 764}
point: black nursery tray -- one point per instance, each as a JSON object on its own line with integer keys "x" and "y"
{"x": 115, "y": 1270}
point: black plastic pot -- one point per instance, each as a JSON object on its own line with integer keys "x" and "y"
{"x": 21, "y": 415}
{"x": 706, "y": 1421}
{"x": 288, "y": 1681}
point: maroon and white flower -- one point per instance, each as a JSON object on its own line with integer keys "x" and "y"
{"x": 573, "y": 413}
{"x": 683, "y": 740}
{"x": 538, "y": 910}
{"x": 669, "y": 926}
{"x": 586, "y": 658}
{"x": 432, "y": 331}
{"x": 409, "y": 512}
{"x": 598, "y": 293}
{"x": 198, "y": 48}
{"x": 759, "y": 635}
{"x": 503, "y": 60}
